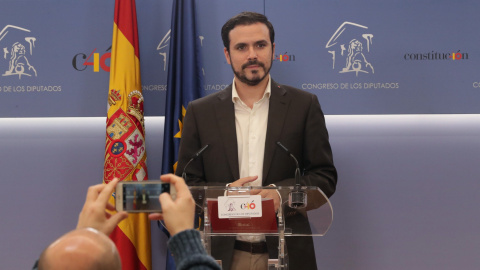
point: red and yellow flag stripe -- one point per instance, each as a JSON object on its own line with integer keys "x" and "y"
{"x": 125, "y": 153}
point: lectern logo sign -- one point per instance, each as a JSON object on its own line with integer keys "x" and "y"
{"x": 17, "y": 44}
{"x": 350, "y": 47}
{"x": 239, "y": 206}
{"x": 248, "y": 205}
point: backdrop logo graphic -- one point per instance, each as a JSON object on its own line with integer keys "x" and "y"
{"x": 458, "y": 55}
{"x": 284, "y": 57}
{"x": 97, "y": 60}
{"x": 350, "y": 46}
{"x": 433, "y": 55}
{"x": 15, "y": 40}
{"x": 161, "y": 48}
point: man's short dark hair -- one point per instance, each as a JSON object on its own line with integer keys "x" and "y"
{"x": 245, "y": 18}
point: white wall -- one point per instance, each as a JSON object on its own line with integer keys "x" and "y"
{"x": 406, "y": 195}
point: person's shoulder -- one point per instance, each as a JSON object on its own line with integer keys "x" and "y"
{"x": 292, "y": 91}
{"x": 214, "y": 97}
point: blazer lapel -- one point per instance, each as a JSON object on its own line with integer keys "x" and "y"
{"x": 277, "y": 112}
{"x": 225, "y": 113}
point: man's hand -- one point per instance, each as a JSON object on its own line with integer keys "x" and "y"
{"x": 178, "y": 214}
{"x": 242, "y": 181}
{"x": 270, "y": 194}
{"x": 265, "y": 193}
{"x": 93, "y": 214}
{"x": 239, "y": 183}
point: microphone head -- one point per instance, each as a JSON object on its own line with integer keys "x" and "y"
{"x": 283, "y": 147}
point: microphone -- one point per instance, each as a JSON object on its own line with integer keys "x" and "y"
{"x": 196, "y": 155}
{"x": 296, "y": 198}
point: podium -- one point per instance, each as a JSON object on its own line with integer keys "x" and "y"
{"x": 225, "y": 213}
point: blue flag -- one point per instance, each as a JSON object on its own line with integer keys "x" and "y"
{"x": 185, "y": 78}
{"x": 184, "y": 84}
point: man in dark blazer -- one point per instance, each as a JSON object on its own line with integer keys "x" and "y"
{"x": 292, "y": 117}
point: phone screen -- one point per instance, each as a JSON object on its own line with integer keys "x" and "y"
{"x": 143, "y": 197}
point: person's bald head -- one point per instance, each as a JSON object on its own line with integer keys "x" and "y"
{"x": 81, "y": 249}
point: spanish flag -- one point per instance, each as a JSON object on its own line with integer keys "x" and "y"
{"x": 125, "y": 153}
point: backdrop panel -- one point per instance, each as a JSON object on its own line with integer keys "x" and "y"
{"x": 358, "y": 57}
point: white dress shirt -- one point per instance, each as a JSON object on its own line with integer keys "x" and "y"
{"x": 251, "y": 128}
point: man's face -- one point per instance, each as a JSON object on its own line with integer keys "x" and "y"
{"x": 251, "y": 53}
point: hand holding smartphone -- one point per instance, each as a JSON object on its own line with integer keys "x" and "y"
{"x": 141, "y": 196}
{"x": 179, "y": 212}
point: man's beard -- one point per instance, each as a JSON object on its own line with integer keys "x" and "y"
{"x": 256, "y": 80}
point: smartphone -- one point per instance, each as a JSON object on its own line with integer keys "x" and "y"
{"x": 141, "y": 196}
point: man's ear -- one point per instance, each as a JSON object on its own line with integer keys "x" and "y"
{"x": 227, "y": 55}
{"x": 273, "y": 51}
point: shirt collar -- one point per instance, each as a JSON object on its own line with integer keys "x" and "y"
{"x": 266, "y": 93}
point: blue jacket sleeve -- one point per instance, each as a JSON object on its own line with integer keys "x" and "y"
{"x": 189, "y": 253}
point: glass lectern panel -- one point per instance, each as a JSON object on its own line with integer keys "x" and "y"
{"x": 312, "y": 217}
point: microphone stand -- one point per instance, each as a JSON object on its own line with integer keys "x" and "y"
{"x": 184, "y": 173}
{"x": 297, "y": 198}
